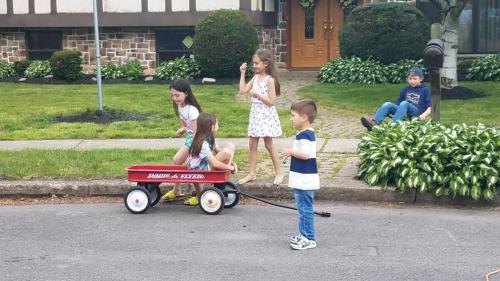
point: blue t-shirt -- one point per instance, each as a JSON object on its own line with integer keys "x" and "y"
{"x": 200, "y": 161}
{"x": 419, "y": 96}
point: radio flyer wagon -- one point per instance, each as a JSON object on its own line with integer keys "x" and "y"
{"x": 138, "y": 199}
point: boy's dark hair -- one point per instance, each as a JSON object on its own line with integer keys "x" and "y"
{"x": 183, "y": 86}
{"x": 305, "y": 107}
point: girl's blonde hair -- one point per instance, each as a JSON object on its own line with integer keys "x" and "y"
{"x": 267, "y": 56}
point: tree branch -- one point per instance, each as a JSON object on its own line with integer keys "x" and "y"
{"x": 458, "y": 8}
{"x": 442, "y": 5}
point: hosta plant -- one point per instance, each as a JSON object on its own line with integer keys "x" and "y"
{"x": 6, "y": 70}
{"x": 180, "y": 68}
{"x": 485, "y": 69}
{"x": 38, "y": 69}
{"x": 352, "y": 70}
{"x": 458, "y": 161}
{"x": 398, "y": 72}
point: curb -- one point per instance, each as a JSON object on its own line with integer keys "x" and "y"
{"x": 333, "y": 191}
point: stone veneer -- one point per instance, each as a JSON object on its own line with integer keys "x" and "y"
{"x": 12, "y": 45}
{"x": 275, "y": 38}
{"x": 118, "y": 45}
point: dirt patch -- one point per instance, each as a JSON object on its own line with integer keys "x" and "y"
{"x": 107, "y": 116}
{"x": 461, "y": 93}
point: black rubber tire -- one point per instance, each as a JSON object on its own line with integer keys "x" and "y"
{"x": 208, "y": 206}
{"x": 231, "y": 198}
{"x": 155, "y": 192}
{"x": 143, "y": 194}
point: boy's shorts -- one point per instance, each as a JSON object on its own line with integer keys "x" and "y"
{"x": 188, "y": 141}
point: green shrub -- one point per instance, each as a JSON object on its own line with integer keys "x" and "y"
{"x": 132, "y": 70}
{"x": 396, "y": 73}
{"x": 352, "y": 70}
{"x": 223, "y": 40}
{"x": 38, "y": 69}
{"x": 463, "y": 65}
{"x": 6, "y": 70}
{"x": 66, "y": 65}
{"x": 387, "y": 32}
{"x": 180, "y": 68}
{"x": 110, "y": 70}
{"x": 21, "y": 66}
{"x": 485, "y": 69}
{"x": 458, "y": 161}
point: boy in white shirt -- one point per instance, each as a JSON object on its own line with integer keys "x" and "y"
{"x": 303, "y": 177}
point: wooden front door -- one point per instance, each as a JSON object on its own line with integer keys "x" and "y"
{"x": 314, "y": 34}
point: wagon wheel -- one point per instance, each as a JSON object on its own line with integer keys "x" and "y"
{"x": 154, "y": 192}
{"x": 137, "y": 200}
{"x": 211, "y": 200}
{"x": 231, "y": 194}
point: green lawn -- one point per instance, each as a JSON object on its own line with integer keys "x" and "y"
{"x": 27, "y": 111}
{"x": 365, "y": 99}
{"x": 74, "y": 164}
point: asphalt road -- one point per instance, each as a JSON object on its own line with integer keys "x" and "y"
{"x": 248, "y": 242}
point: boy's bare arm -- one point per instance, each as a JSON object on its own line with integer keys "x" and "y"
{"x": 425, "y": 113}
{"x": 295, "y": 153}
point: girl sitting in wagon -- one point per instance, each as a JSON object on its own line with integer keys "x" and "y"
{"x": 200, "y": 154}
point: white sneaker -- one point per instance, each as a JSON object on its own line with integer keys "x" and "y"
{"x": 303, "y": 244}
{"x": 295, "y": 239}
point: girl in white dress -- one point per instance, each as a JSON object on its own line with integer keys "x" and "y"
{"x": 264, "y": 121}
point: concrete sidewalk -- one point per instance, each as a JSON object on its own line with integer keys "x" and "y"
{"x": 324, "y": 145}
{"x": 342, "y": 186}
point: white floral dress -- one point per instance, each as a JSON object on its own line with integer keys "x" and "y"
{"x": 264, "y": 120}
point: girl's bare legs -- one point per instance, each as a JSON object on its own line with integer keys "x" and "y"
{"x": 278, "y": 178}
{"x": 179, "y": 159}
{"x": 252, "y": 161}
{"x": 226, "y": 154}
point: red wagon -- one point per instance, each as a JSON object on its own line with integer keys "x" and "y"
{"x": 223, "y": 193}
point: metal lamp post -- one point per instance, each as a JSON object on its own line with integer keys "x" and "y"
{"x": 98, "y": 56}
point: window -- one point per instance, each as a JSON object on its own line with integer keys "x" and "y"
{"x": 309, "y": 24}
{"x": 173, "y": 43}
{"x": 42, "y": 44}
{"x": 479, "y": 25}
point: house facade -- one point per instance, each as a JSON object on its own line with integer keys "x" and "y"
{"x": 154, "y": 30}
{"x": 479, "y": 26}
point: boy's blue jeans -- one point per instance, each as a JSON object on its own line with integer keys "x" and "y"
{"x": 398, "y": 112}
{"x": 304, "y": 200}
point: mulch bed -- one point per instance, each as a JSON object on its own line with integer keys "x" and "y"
{"x": 461, "y": 93}
{"x": 107, "y": 116}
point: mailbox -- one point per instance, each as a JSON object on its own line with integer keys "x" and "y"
{"x": 434, "y": 54}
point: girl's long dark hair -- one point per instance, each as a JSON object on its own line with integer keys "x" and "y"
{"x": 183, "y": 86}
{"x": 266, "y": 56}
{"x": 203, "y": 132}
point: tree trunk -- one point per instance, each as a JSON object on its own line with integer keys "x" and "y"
{"x": 450, "y": 10}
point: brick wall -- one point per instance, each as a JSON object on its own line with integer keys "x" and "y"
{"x": 12, "y": 45}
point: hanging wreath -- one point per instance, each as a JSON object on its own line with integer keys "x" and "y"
{"x": 348, "y": 4}
{"x": 307, "y": 4}
{"x": 344, "y": 4}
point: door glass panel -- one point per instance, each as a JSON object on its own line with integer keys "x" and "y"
{"x": 309, "y": 24}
